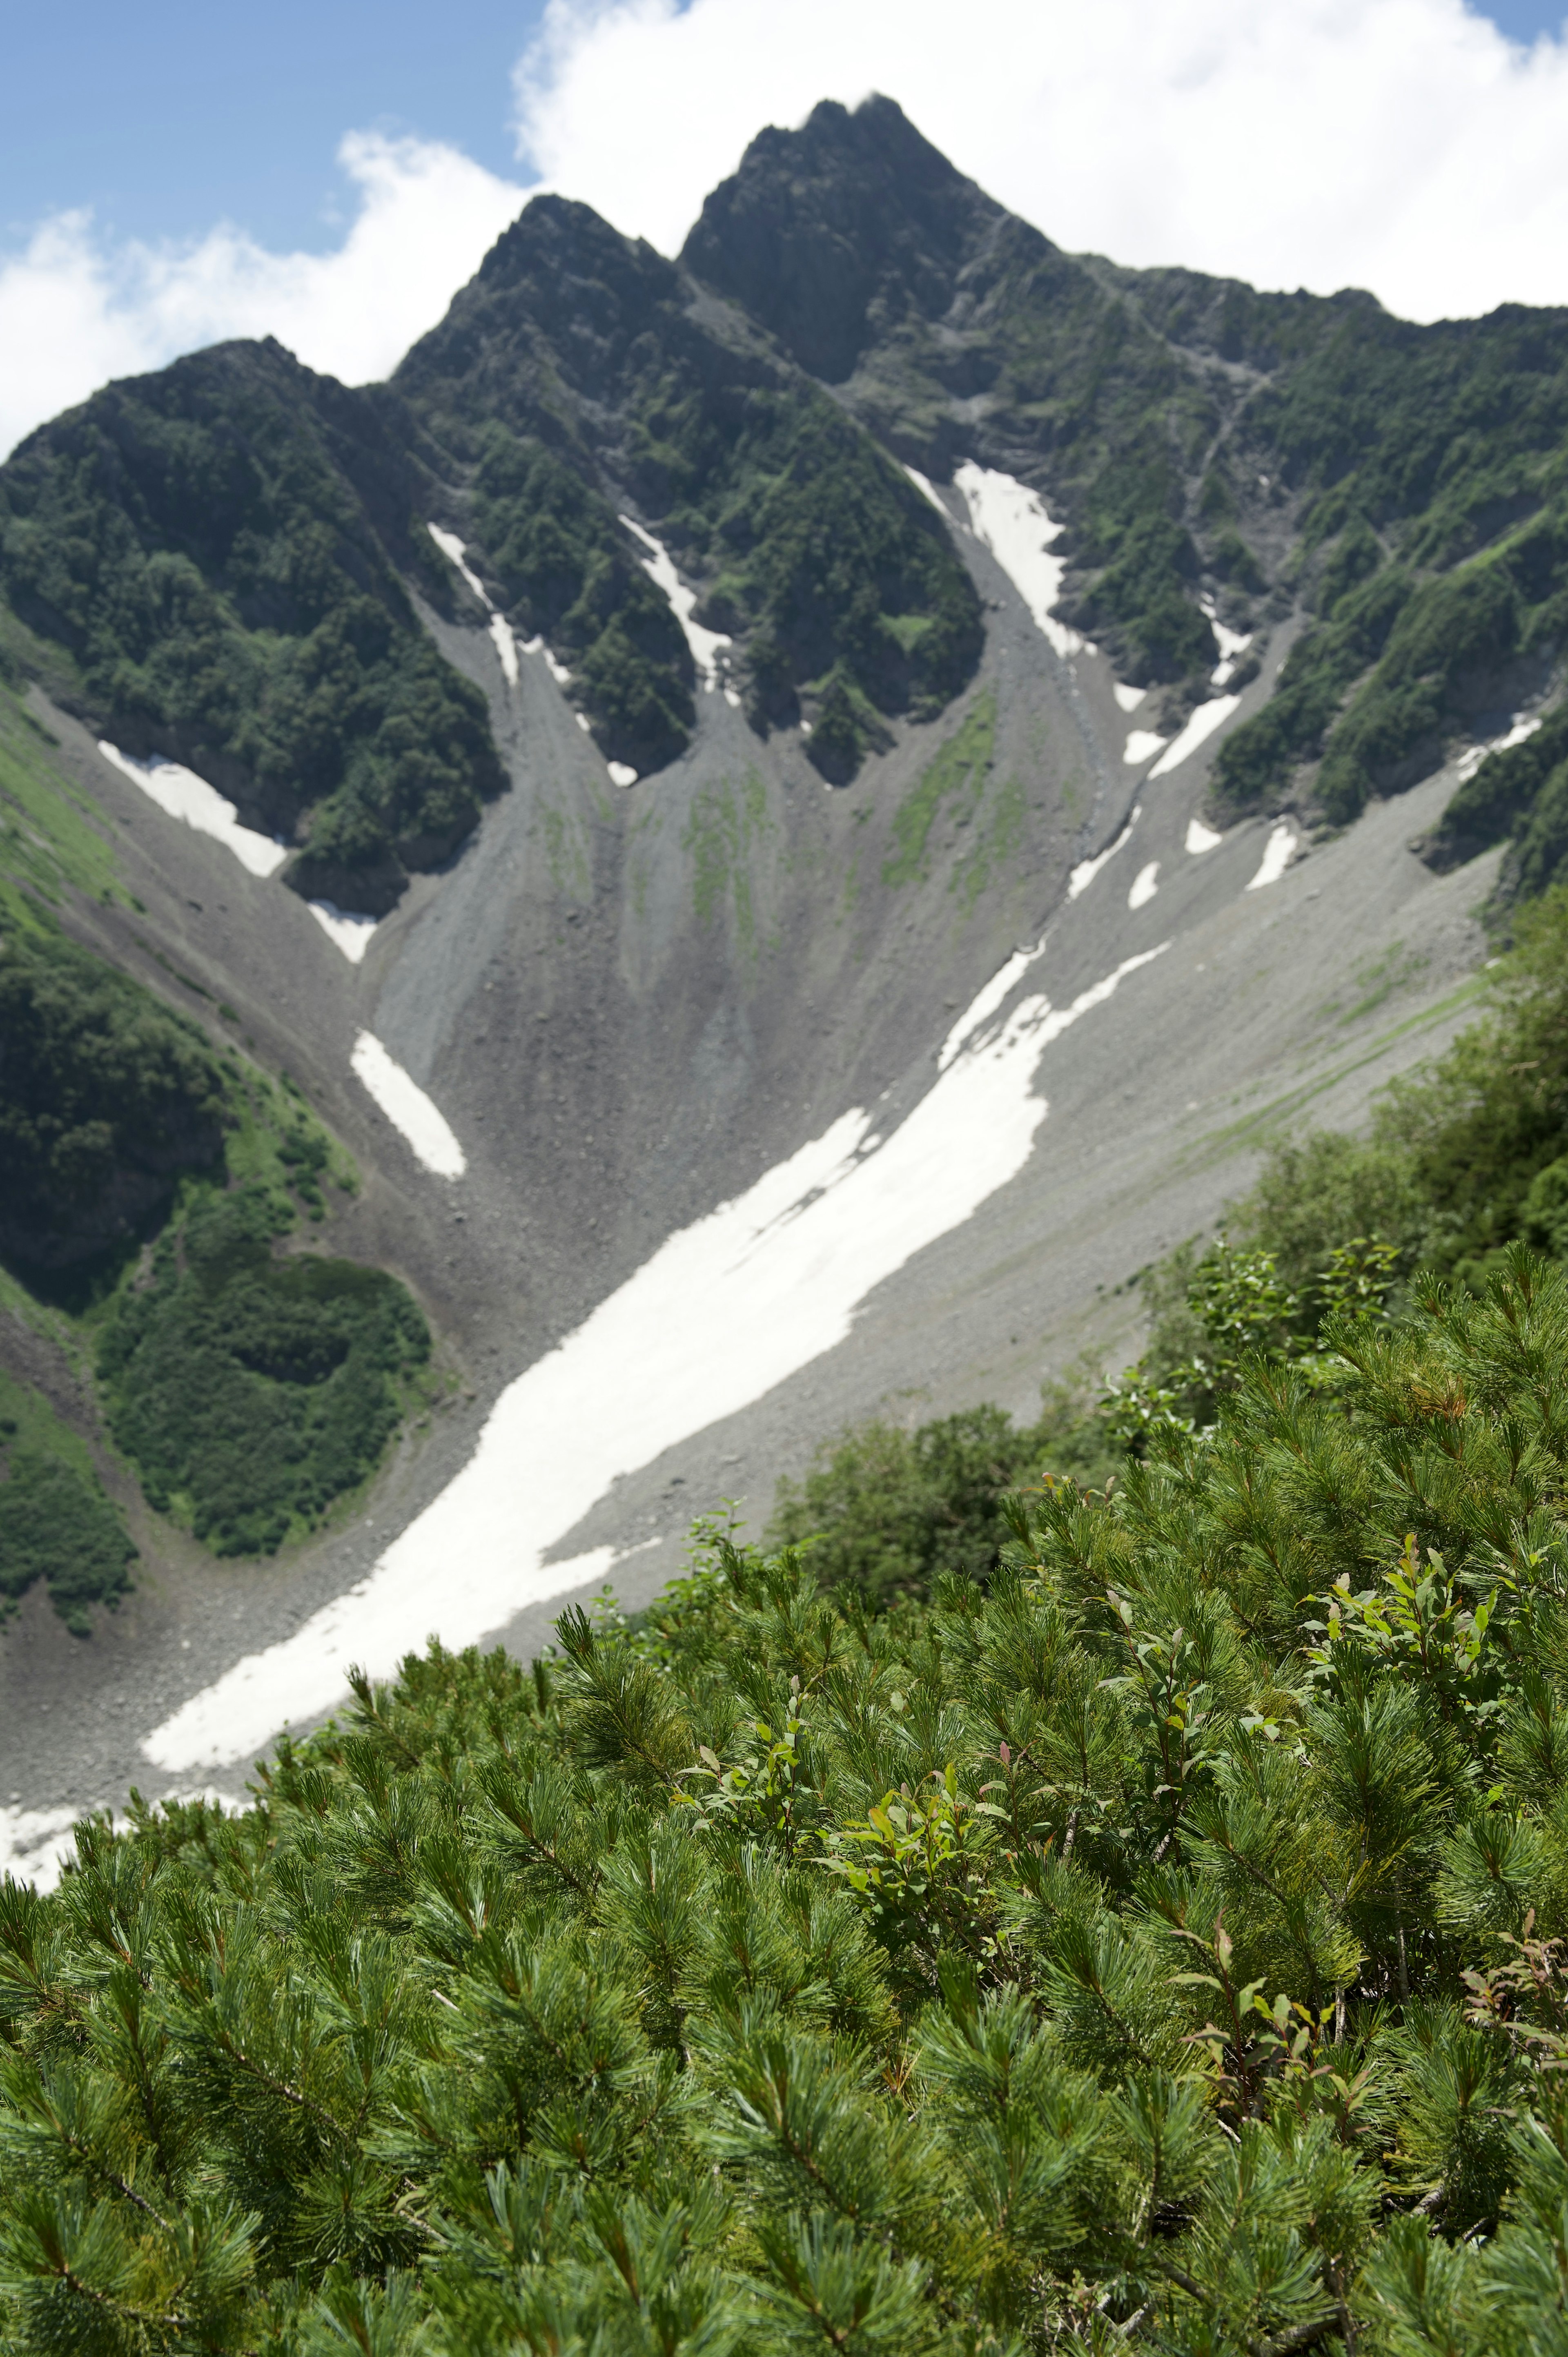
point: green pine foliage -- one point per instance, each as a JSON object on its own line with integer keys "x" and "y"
{"x": 218, "y": 548}
{"x": 251, "y": 1390}
{"x": 1161, "y": 1945}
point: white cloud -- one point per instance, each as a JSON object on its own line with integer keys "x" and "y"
{"x": 1399, "y": 145}
{"x": 75, "y": 309}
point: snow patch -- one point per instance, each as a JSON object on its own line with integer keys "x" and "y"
{"x": 1201, "y": 838}
{"x": 922, "y": 483}
{"x": 1521, "y": 727}
{"x": 723, "y": 1312}
{"x": 1199, "y": 730}
{"x": 558, "y": 671}
{"x": 1278, "y": 853}
{"x": 1127, "y": 698}
{"x": 660, "y": 570}
{"x": 1013, "y": 523}
{"x": 182, "y": 795}
{"x": 501, "y": 633}
{"x": 36, "y": 1842}
{"x": 505, "y": 646}
{"x": 583, "y": 722}
{"x": 1084, "y": 874}
{"x": 347, "y": 928}
{"x": 1231, "y": 643}
{"x": 621, "y": 773}
{"x": 1142, "y": 745}
{"x": 1144, "y": 885}
{"x": 456, "y": 551}
{"x": 408, "y": 1108}
{"x": 732, "y": 696}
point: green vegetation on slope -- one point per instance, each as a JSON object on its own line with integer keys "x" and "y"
{"x": 838, "y": 582}
{"x": 214, "y": 547}
{"x": 956, "y": 776}
{"x": 1160, "y": 1948}
{"x": 1463, "y": 1157}
{"x": 568, "y": 572}
{"x": 56, "y": 1521}
{"x": 106, "y": 1097}
{"x": 251, "y": 1390}
{"x": 1443, "y": 447}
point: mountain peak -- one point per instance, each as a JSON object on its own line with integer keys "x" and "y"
{"x": 832, "y": 233}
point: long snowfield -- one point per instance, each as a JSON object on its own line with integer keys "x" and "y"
{"x": 725, "y": 1310}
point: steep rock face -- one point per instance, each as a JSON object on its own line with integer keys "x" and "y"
{"x": 845, "y": 232}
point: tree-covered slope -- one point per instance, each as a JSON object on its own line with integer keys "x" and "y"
{"x": 219, "y": 551}
{"x": 580, "y": 372}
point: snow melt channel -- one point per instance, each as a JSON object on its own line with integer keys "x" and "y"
{"x": 722, "y": 1312}
{"x": 183, "y": 795}
{"x": 1013, "y": 523}
{"x": 408, "y": 1108}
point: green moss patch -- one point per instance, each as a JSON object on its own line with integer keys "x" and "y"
{"x": 955, "y": 777}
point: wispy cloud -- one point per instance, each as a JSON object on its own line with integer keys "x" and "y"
{"x": 76, "y": 308}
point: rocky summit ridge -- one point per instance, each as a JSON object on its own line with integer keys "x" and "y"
{"x": 745, "y": 840}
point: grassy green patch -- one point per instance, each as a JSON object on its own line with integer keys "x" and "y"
{"x": 955, "y": 775}
{"x": 725, "y": 827}
{"x": 52, "y": 838}
{"x": 251, "y": 1390}
{"x": 1000, "y": 840}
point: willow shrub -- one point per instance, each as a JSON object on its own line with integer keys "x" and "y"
{"x": 1159, "y": 1946}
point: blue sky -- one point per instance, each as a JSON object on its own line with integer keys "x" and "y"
{"x": 166, "y": 118}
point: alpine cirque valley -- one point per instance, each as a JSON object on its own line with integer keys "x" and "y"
{"x": 735, "y": 854}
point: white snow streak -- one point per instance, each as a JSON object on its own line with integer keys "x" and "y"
{"x": 720, "y": 1314}
{"x": 1127, "y": 698}
{"x": 922, "y": 483}
{"x": 408, "y": 1108}
{"x": 660, "y": 570}
{"x": 621, "y": 773}
{"x": 347, "y": 927}
{"x": 456, "y": 553}
{"x": 1199, "y": 730}
{"x": 1084, "y": 874}
{"x": 1142, "y": 745}
{"x": 182, "y": 795}
{"x": 1201, "y": 838}
{"x": 1013, "y": 523}
{"x": 1231, "y": 643}
{"x": 1278, "y": 853}
{"x": 1145, "y": 886}
{"x": 1522, "y": 727}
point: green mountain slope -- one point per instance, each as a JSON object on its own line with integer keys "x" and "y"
{"x": 1210, "y": 450}
{"x": 219, "y": 553}
{"x": 582, "y": 373}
